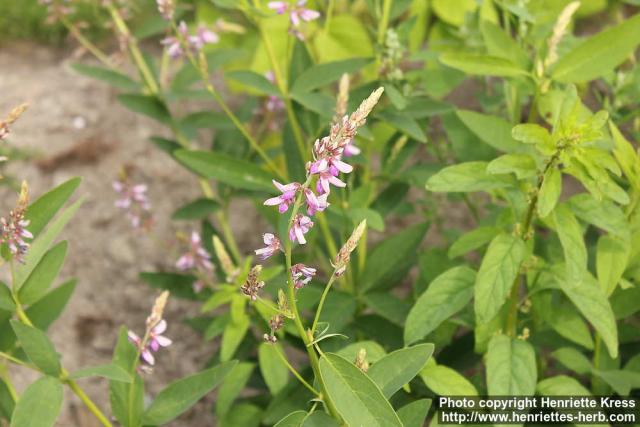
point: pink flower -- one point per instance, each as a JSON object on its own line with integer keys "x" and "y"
{"x": 302, "y": 275}
{"x": 196, "y": 42}
{"x": 299, "y": 12}
{"x": 351, "y": 150}
{"x": 286, "y": 198}
{"x": 207, "y": 36}
{"x": 273, "y": 246}
{"x": 301, "y": 226}
{"x": 315, "y": 203}
{"x": 155, "y": 340}
{"x": 279, "y": 6}
{"x": 329, "y": 176}
{"x": 196, "y": 257}
{"x": 134, "y": 201}
{"x": 13, "y": 232}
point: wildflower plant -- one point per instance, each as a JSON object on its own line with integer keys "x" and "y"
{"x": 334, "y": 322}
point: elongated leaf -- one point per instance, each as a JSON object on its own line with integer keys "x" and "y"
{"x": 404, "y": 124}
{"x": 561, "y": 385}
{"x": 43, "y": 274}
{"x": 6, "y": 299}
{"x": 522, "y": 165}
{"x": 254, "y": 81}
{"x": 594, "y": 305}
{"x": 232, "y": 386}
{"x": 180, "y": 285}
{"x": 230, "y": 170}
{"x": 465, "y": 177}
{"x": 388, "y": 306}
{"x": 147, "y": 105}
{"x": 48, "y": 308}
{"x": 482, "y": 65}
{"x": 472, "y": 240}
{"x": 323, "y": 74}
{"x": 127, "y": 399}
{"x": 570, "y": 234}
{"x": 415, "y": 413}
{"x": 394, "y": 254}
{"x": 511, "y": 367}
{"x": 500, "y": 267}
{"x": 198, "y": 209}
{"x": 603, "y": 214}
{"x": 319, "y": 419}
{"x": 39, "y": 405}
{"x": 502, "y": 45}
{"x": 7, "y": 402}
{"x": 108, "y": 371}
{"x": 356, "y": 397}
{"x": 549, "y": 192}
{"x": 573, "y": 359}
{"x": 274, "y": 371}
{"x": 38, "y": 348}
{"x": 447, "y": 294}
{"x": 45, "y": 207}
{"x": 492, "y": 130}
{"x": 42, "y": 243}
{"x": 294, "y": 419}
{"x": 611, "y": 261}
{"x": 180, "y": 395}
{"x": 112, "y": 77}
{"x": 399, "y": 367}
{"x": 599, "y": 54}
{"x": 445, "y": 381}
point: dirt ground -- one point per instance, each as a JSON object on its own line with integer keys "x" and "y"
{"x": 76, "y": 127}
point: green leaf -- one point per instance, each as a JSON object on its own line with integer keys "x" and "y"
{"x": 621, "y": 381}
{"x": 356, "y": 397}
{"x": 445, "y": 381}
{"x": 374, "y": 219}
{"x": 230, "y": 170}
{"x": 42, "y": 243}
{"x": 447, "y": 294}
{"x": 319, "y": 419}
{"x": 573, "y": 359}
{"x": 502, "y": 45}
{"x": 46, "y": 206}
{"x": 274, "y": 371}
{"x": 108, "y": 371}
{"x": 255, "y": 81}
{"x": 482, "y": 65}
{"x": 500, "y": 267}
{"x": 43, "y": 274}
{"x": 7, "y": 402}
{"x": 392, "y": 255}
{"x": 522, "y": 165}
{"x": 180, "y": 285}
{"x": 232, "y": 336}
{"x": 48, "y": 308}
{"x": 396, "y": 369}
{"x": 6, "y": 299}
{"x": 403, "y": 123}
{"x": 39, "y": 405}
{"x": 603, "y": 214}
{"x": 465, "y": 177}
{"x": 561, "y": 385}
{"x": 511, "y": 367}
{"x": 492, "y": 130}
{"x": 374, "y": 351}
{"x": 127, "y": 399}
{"x": 148, "y": 105}
{"x": 594, "y": 305}
{"x": 38, "y": 348}
{"x": 530, "y": 133}
{"x": 198, "y": 209}
{"x": 472, "y": 240}
{"x": 415, "y": 413}
{"x": 570, "y": 234}
{"x": 114, "y": 78}
{"x": 232, "y": 386}
{"x": 318, "y": 103}
{"x": 181, "y": 395}
{"x": 294, "y": 419}
{"x": 323, "y": 74}
{"x": 453, "y": 11}
{"x": 599, "y": 54}
{"x": 388, "y": 306}
{"x": 612, "y": 256}
{"x": 549, "y": 192}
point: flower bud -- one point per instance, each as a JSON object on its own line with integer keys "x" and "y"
{"x": 343, "y": 256}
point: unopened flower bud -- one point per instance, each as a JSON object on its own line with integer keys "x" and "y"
{"x": 361, "y": 360}
{"x": 253, "y": 284}
{"x": 157, "y": 310}
{"x": 343, "y": 256}
{"x": 225, "y": 260}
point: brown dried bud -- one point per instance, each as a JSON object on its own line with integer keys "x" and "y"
{"x": 343, "y": 98}
{"x": 253, "y": 285}
{"x": 11, "y": 118}
{"x": 271, "y": 339}
{"x": 157, "y": 310}
{"x": 343, "y": 256}
{"x": 276, "y": 322}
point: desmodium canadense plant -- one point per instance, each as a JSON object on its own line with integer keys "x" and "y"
{"x": 33, "y": 257}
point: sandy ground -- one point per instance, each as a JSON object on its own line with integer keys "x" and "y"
{"x": 104, "y": 253}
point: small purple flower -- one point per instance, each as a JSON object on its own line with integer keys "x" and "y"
{"x": 196, "y": 42}
{"x": 155, "y": 340}
{"x": 296, "y": 11}
{"x": 133, "y": 199}
{"x": 273, "y": 246}
{"x": 279, "y": 6}
{"x": 13, "y": 232}
{"x": 351, "y": 150}
{"x": 286, "y": 198}
{"x": 327, "y": 178}
{"x": 302, "y": 275}
{"x": 301, "y": 226}
{"x": 196, "y": 257}
{"x": 315, "y": 203}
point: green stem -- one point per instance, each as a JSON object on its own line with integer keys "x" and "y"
{"x": 329, "y": 15}
{"x": 93, "y": 49}
{"x": 384, "y": 21}
{"x": 321, "y": 303}
{"x": 296, "y": 373}
{"x": 78, "y": 391}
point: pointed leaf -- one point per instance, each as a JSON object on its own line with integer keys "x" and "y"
{"x": 492, "y": 130}
{"x": 396, "y": 369}
{"x": 274, "y": 371}
{"x": 465, "y": 177}
{"x": 38, "y": 348}
{"x": 45, "y": 207}
{"x": 43, "y": 274}
{"x": 108, "y": 371}
{"x": 511, "y": 367}
{"x": 39, "y": 405}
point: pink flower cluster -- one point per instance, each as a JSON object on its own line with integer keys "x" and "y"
{"x": 154, "y": 342}
{"x": 177, "y": 44}
{"x": 297, "y": 13}
{"x": 134, "y": 201}
{"x": 13, "y": 232}
{"x": 196, "y": 258}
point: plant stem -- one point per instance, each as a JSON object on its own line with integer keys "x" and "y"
{"x": 88, "y": 403}
{"x": 329, "y": 15}
{"x": 93, "y": 49}
{"x": 296, "y": 373}
{"x": 384, "y": 21}
{"x": 321, "y": 303}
